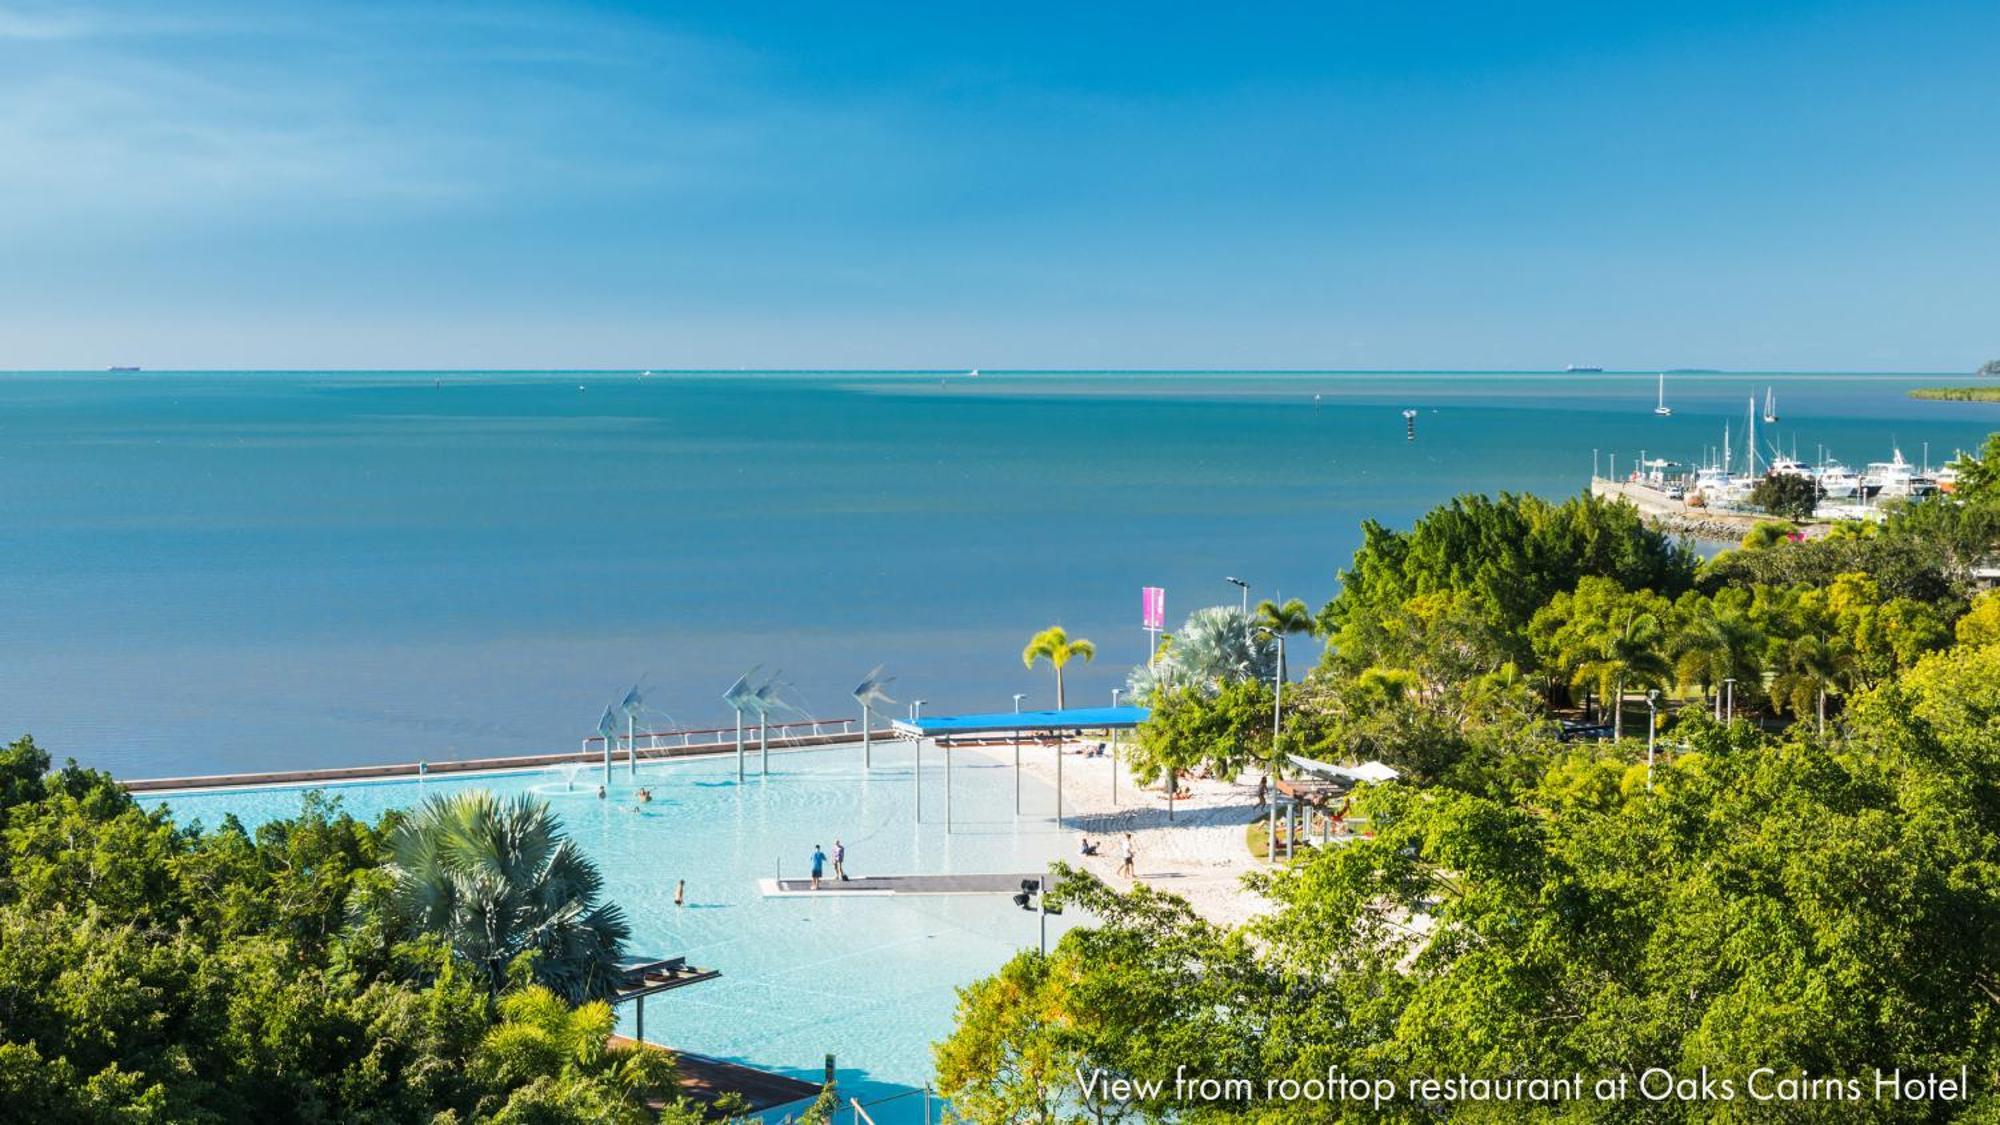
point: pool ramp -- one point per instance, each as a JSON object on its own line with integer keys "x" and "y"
{"x": 882, "y": 886}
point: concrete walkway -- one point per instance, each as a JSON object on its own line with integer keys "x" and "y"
{"x": 883, "y": 885}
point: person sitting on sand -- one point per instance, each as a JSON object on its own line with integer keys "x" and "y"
{"x": 1084, "y": 846}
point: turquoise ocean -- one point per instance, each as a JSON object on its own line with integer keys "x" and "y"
{"x": 220, "y": 571}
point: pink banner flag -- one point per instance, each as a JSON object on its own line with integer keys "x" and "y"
{"x": 1153, "y": 603}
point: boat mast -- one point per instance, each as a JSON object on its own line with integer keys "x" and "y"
{"x": 1752, "y": 468}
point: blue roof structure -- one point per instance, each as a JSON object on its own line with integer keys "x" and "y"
{"x": 1074, "y": 718}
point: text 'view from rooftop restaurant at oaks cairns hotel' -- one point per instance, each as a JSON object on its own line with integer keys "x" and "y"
{"x": 1034, "y": 564}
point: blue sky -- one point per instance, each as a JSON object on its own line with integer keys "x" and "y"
{"x": 1788, "y": 185}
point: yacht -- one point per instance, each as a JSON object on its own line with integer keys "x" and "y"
{"x": 1770, "y": 405}
{"x": 1578, "y": 369}
{"x": 1836, "y": 481}
{"x": 1663, "y": 409}
{"x": 1896, "y": 478}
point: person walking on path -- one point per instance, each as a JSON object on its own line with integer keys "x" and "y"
{"x": 819, "y": 866}
{"x": 839, "y": 860}
{"x": 1130, "y": 855}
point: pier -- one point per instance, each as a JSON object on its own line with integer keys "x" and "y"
{"x": 881, "y": 886}
{"x": 1672, "y": 514}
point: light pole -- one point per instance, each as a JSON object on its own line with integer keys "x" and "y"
{"x": 1243, "y": 586}
{"x": 1034, "y": 895}
{"x": 916, "y": 711}
{"x": 1729, "y": 692}
{"x": 1115, "y": 694}
{"x": 1652, "y": 717}
{"x": 1018, "y": 697}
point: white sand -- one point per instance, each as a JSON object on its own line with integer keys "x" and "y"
{"x": 1199, "y": 855}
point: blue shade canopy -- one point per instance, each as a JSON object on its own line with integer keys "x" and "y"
{"x": 1025, "y": 721}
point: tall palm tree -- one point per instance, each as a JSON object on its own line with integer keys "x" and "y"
{"x": 1631, "y": 650}
{"x": 1810, "y": 667}
{"x": 1281, "y": 621}
{"x": 496, "y": 879}
{"x": 1054, "y": 645}
{"x": 1712, "y": 645}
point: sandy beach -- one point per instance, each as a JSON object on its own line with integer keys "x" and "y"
{"x": 1198, "y": 855}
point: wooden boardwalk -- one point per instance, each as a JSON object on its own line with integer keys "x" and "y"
{"x": 883, "y": 885}
{"x": 705, "y": 1080}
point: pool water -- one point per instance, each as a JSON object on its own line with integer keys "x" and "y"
{"x": 869, "y": 980}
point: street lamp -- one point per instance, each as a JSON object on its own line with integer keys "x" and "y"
{"x": 1018, "y": 697}
{"x": 916, "y": 709}
{"x": 1243, "y": 586}
{"x": 1652, "y": 717}
{"x": 1729, "y": 690}
{"x": 1034, "y": 896}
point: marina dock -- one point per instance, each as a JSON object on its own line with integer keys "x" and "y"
{"x": 880, "y": 886}
{"x": 1672, "y": 514}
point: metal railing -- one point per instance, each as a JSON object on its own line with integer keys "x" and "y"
{"x": 863, "y": 1117}
{"x": 669, "y": 742}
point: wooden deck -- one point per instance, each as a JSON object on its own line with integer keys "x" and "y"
{"x": 882, "y": 885}
{"x": 705, "y": 1080}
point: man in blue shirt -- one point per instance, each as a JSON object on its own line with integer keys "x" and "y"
{"x": 819, "y": 865}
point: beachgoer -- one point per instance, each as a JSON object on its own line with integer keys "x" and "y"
{"x": 819, "y": 866}
{"x": 600, "y": 792}
{"x": 839, "y": 860}
{"x": 1085, "y": 847}
{"x": 1131, "y": 855}
{"x": 680, "y": 892}
{"x": 1263, "y": 789}
{"x": 645, "y": 795}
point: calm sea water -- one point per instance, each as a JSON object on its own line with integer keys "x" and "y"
{"x": 211, "y": 572}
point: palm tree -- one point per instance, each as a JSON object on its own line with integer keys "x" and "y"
{"x": 1713, "y": 645}
{"x": 1053, "y": 644}
{"x": 496, "y": 880}
{"x": 1277, "y": 622}
{"x": 1628, "y": 651}
{"x": 1281, "y": 621}
{"x": 1812, "y": 666}
{"x": 1215, "y": 646}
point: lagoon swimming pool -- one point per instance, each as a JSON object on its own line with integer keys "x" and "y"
{"x": 870, "y": 980}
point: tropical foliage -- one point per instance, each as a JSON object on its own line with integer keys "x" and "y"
{"x": 155, "y": 972}
{"x": 1216, "y": 647}
{"x": 495, "y": 880}
{"x": 1813, "y": 887}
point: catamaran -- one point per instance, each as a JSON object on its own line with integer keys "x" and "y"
{"x": 1663, "y": 409}
{"x": 1770, "y": 404}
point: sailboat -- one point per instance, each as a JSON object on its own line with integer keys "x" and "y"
{"x": 1770, "y": 404}
{"x": 1663, "y": 409}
